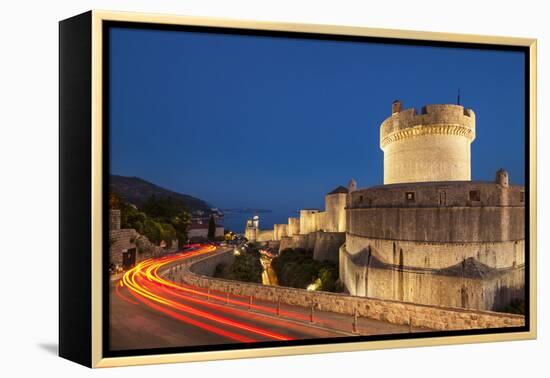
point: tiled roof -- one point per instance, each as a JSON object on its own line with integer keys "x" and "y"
{"x": 339, "y": 189}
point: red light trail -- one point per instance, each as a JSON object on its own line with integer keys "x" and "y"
{"x": 181, "y": 302}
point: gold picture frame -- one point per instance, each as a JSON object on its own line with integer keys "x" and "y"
{"x": 93, "y": 26}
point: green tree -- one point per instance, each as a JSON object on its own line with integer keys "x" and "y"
{"x": 168, "y": 233}
{"x": 169, "y": 210}
{"x": 246, "y": 268}
{"x": 158, "y": 219}
{"x": 211, "y": 228}
{"x": 152, "y": 230}
{"x": 297, "y": 268}
{"x": 181, "y": 223}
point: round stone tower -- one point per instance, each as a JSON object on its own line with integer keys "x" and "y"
{"x": 502, "y": 178}
{"x": 431, "y": 146}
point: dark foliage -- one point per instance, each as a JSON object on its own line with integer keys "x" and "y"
{"x": 517, "y": 306}
{"x": 245, "y": 268}
{"x": 296, "y": 268}
{"x": 158, "y": 219}
{"x": 211, "y": 228}
{"x": 137, "y": 191}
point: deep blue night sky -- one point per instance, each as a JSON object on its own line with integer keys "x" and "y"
{"x": 264, "y": 122}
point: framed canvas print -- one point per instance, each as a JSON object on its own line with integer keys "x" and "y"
{"x": 235, "y": 189}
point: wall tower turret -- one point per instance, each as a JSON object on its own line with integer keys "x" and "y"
{"x": 431, "y": 146}
{"x": 502, "y": 178}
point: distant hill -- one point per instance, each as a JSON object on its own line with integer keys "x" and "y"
{"x": 246, "y": 211}
{"x": 136, "y": 190}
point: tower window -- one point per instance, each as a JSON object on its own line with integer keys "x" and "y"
{"x": 475, "y": 195}
{"x": 409, "y": 196}
{"x": 522, "y": 196}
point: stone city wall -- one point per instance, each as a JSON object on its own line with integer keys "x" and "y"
{"x": 327, "y": 245}
{"x": 500, "y": 291}
{"x": 335, "y": 210}
{"x": 429, "y": 255}
{"x": 121, "y": 240}
{"x": 296, "y": 241}
{"x": 455, "y": 287}
{"x": 280, "y": 231}
{"x": 293, "y": 226}
{"x": 433, "y": 317}
{"x": 308, "y": 221}
{"x": 440, "y": 194}
{"x": 264, "y": 235}
{"x": 253, "y": 234}
{"x": 208, "y": 265}
{"x": 440, "y": 224}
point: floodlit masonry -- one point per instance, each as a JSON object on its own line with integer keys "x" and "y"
{"x": 320, "y": 231}
{"x": 429, "y": 235}
{"x": 431, "y": 146}
{"x": 333, "y": 219}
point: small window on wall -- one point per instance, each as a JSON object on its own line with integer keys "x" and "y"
{"x": 475, "y": 195}
{"x": 360, "y": 199}
{"x": 409, "y": 196}
{"x": 522, "y": 196}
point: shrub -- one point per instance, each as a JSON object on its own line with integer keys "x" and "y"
{"x": 297, "y": 268}
{"x": 246, "y": 268}
{"x": 168, "y": 233}
{"x": 152, "y": 230}
{"x": 516, "y": 306}
{"x": 158, "y": 219}
{"x": 219, "y": 271}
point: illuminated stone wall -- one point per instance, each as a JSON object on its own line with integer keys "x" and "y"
{"x": 431, "y": 255}
{"x": 280, "y": 231}
{"x": 404, "y": 313}
{"x": 250, "y": 233}
{"x": 439, "y": 243}
{"x": 467, "y": 284}
{"x": 431, "y": 146}
{"x": 264, "y": 235}
{"x": 293, "y": 226}
{"x": 121, "y": 240}
{"x": 333, "y": 219}
{"x": 327, "y": 245}
{"x": 458, "y": 212}
{"x": 335, "y": 209}
{"x": 295, "y": 241}
{"x": 308, "y": 220}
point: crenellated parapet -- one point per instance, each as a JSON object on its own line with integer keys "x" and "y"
{"x": 433, "y": 119}
{"x": 433, "y": 145}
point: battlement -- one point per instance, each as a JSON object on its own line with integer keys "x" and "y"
{"x": 433, "y": 145}
{"x": 446, "y": 119}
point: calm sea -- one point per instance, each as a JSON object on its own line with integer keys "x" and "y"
{"x": 236, "y": 222}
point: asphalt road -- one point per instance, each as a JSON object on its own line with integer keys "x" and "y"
{"x": 148, "y": 310}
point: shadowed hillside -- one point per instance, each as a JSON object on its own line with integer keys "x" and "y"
{"x": 136, "y": 190}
